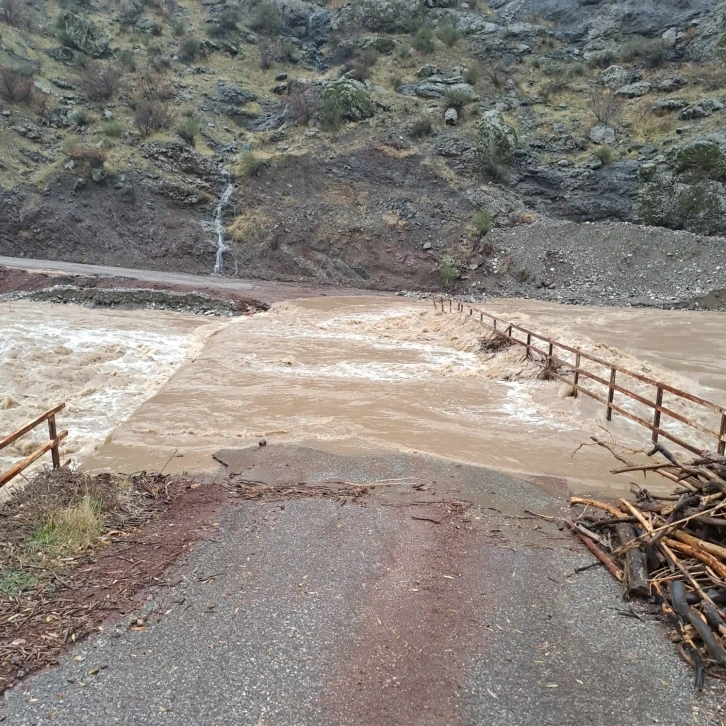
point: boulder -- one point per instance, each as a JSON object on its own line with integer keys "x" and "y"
{"x": 671, "y": 104}
{"x": 83, "y": 35}
{"x": 671, "y": 83}
{"x": 497, "y": 138}
{"x": 427, "y": 70}
{"x": 615, "y": 77}
{"x": 436, "y": 87}
{"x": 602, "y": 134}
{"x": 701, "y": 109}
{"x": 634, "y": 90}
{"x": 353, "y": 98}
{"x": 451, "y": 117}
{"x": 669, "y": 38}
{"x": 388, "y": 16}
{"x": 177, "y": 159}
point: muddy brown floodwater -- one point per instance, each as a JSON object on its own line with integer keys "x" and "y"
{"x": 358, "y": 375}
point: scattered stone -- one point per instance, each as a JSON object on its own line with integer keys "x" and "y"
{"x": 98, "y": 175}
{"x": 281, "y": 77}
{"x": 427, "y": 70}
{"x": 593, "y": 162}
{"x": 79, "y": 184}
{"x": 671, "y": 104}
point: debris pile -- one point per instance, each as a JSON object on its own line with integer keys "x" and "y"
{"x": 671, "y": 549}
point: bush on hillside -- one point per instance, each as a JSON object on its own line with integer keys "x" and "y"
{"x": 100, "y": 82}
{"x": 16, "y": 86}
{"x": 151, "y": 116}
{"x": 267, "y": 19}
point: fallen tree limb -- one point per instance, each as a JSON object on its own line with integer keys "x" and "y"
{"x": 614, "y": 570}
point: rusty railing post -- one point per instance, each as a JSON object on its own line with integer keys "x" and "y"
{"x": 577, "y": 376}
{"x": 721, "y": 442}
{"x": 471, "y": 311}
{"x": 53, "y": 437}
{"x": 449, "y": 304}
{"x": 611, "y": 394}
{"x": 529, "y": 345}
{"x": 495, "y": 324}
{"x": 656, "y": 414}
{"x": 481, "y": 317}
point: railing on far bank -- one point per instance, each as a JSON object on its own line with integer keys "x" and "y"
{"x": 51, "y": 445}
{"x": 556, "y": 367}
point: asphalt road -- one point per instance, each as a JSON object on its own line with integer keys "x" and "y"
{"x": 401, "y": 609}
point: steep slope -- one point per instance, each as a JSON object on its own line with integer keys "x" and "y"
{"x": 375, "y": 144}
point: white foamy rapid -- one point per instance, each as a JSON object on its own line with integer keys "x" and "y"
{"x": 103, "y": 364}
{"x": 222, "y": 246}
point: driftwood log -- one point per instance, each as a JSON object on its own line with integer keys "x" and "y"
{"x": 635, "y": 580}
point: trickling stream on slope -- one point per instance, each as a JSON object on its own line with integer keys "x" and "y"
{"x": 222, "y": 246}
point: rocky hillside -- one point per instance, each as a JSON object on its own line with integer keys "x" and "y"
{"x": 379, "y": 143}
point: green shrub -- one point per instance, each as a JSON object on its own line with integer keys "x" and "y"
{"x": 448, "y": 273}
{"x": 404, "y": 50}
{"x": 78, "y": 117}
{"x": 127, "y": 60}
{"x": 267, "y": 19}
{"x": 577, "y": 70}
{"x": 472, "y": 75}
{"x": 249, "y": 165}
{"x": 457, "y": 99}
{"x": 225, "y": 24}
{"x": 423, "y": 41}
{"x": 651, "y": 51}
{"x": 605, "y": 154}
{"x": 559, "y": 78}
{"x": 188, "y": 130}
{"x": 111, "y": 128}
{"x": 179, "y": 27}
{"x": 603, "y": 59}
{"x": 331, "y": 114}
{"x": 190, "y": 49}
{"x": 484, "y": 222}
{"x": 421, "y": 127}
{"x": 448, "y": 34}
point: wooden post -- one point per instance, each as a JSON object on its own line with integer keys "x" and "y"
{"x": 577, "y": 376}
{"x": 550, "y": 350}
{"x": 53, "y": 436}
{"x": 495, "y": 325}
{"x": 656, "y": 414}
{"x": 529, "y": 344}
{"x": 449, "y": 304}
{"x": 721, "y": 442}
{"x": 481, "y": 317}
{"x": 471, "y": 311}
{"x": 611, "y": 395}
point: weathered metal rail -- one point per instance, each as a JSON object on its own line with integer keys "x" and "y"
{"x": 556, "y": 367}
{"x": 51, "y": 445}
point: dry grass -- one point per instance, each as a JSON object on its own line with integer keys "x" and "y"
{"x": 646, "y": 125}
{"x": 246, "y": 226}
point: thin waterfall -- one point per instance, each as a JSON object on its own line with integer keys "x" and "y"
{"x": 222, "y": 246}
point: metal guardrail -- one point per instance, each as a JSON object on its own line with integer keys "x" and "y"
{"x": 51, "y": 445}
{"x": 556, "y": 366}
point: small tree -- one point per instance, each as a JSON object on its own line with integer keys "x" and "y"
{"x": 99, "y": 82}
{"x": 497, "y": 77}
{"x": 484, "y": 222}
{"x": 605, "y": 106}
{"x": 331, "y": 114}
{"x": 16, "y": 86}
{"x": 267, "y": 19}
{"x": 304, "y": 101}
{"x": 152, "y": 116}
{"x": 12, "y": 11}
{"x": 448, "y": 273}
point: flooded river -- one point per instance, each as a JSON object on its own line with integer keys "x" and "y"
{"x": 354, "y": 375}
{"x": 152, "y": 389}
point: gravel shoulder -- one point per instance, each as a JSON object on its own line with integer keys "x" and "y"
{"x": 445, "y": 604}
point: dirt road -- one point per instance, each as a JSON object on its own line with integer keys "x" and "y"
{"x": 447, "y": 605}
{"x": 266, "y": 291}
